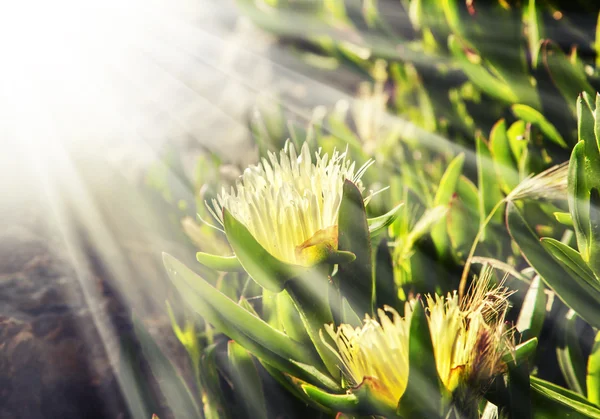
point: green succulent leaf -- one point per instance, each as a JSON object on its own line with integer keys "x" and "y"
{"x": 574, "y": 291}
{"x": 246, "y": 381}
{"x": 570, "y": 357}
{"x": 535, "y": 30}
{"x": 505, "y": 164}
{"x": 356, "y": 279}
{"x": 336, "y": 402}
{"x": 377, "y": 225}
{"x": 443, "y": 197}
{"x": 533, "y": 310}
{"x": 248, "y": 330}
{"x": 522, "y": 352}
{"x": 528, "y": 114}
{"x": 571, "y": 259}
{"x": 479, "y": 75}
{"x": 463, "y": 210}
{"x": 568, "y": 78}
{"x": 310, "y": 295}
{"x": 564, "y": 218}
{"x": 487, "y": 184}
{"x": 552, "y": 401}
{"x": 578, "y": 196}
{"x": 290, "y": 318}
{"x": 593, "y": 373}
{"x": 220, "y": 263}
{"x": 173, "y": 386}
{"x": 268, "y": 271}
{"x": 423, "y": 395}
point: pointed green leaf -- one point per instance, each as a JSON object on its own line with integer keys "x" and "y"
{"x": 348, "y": 315}
{"x": 356, "y": 282}
{"x": 479, "y": 75}
{"x": 219, "y": 263}
{"x": 443, "y": 196}
{"x": 290, "y": 318}
{"x": 238, "y": 323}
{"x": 337, "y": 402}
{"x": 594, "y": 250}
{"x": 552, "y": 401}
{"x": 423, "y": 394}
{"x": 516, "y": 139}
{"x": 487, "y": 183}
{"x": 173, "y": 386}
{"x": 506, "y": 167}
{"x": 535, "y": 30}
{"x": 570, "y": 357}
{"x": 593, "y": 373}
{"x": 571, "y": 259}
{"x": 564, "y": 218}
{"x": 463, "y": 210}
{"x": 533, "y": 310}
{"x": 568, "y": 78}
{"x": 528, "y": 114}
{"x": 247, "y": 385}
{"x": 579, "y": 199}
{"x": 575, "y": 292}
{"x": 268, "y": 271}
{"x": 378, "y": 225}
{"x": 522, "y": 352}
{"x": 310, "y": 296}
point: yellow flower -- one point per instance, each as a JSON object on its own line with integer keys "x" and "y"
{"x": 290, "y": 204}
{"x": 469, "y": 338}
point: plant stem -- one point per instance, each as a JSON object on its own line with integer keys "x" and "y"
{"x": 467, "y": 268}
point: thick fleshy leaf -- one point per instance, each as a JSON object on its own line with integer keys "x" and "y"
{"x": 594, "y": 250}
{"x": 176, "y": 392}
{"x": 519, "y": 390}
{"x": 528, "y": 114}
{"x": 423, "y": 395}
{"x": 535, "y": 30}
{"x": 310, "y": 295}
{"x": 552, "y": 401}
{"x": 568, "y": 78}
{"x": 533, "y": 310}
{"x": 219, "y": 263}
{"x": 355, "y": 278}
{"x": 336, "y": 402}
{"x": 516, "y": 139}
{"x": 377, "y": 225}
{"x": 290, "y": 318}
{"x": 579, "y": 198}
{"x": 564, "y": 218}
{"x": 246, "y": 381}
{"x": 570, "y": 357}
{"x": 479, "y": 75}
{"x": 487, "y": 183}
{"x": 504, "y": 163}
{"x": 574, "y": 291}
{"x": 571, "y": 259}
{"x": 268, "y": 271}
{"x": 522, "y": 352}
{"x": 236, "y": 322}
{"x": 593, "y": 373}
{"x": 463, "y": 210}
{"x": 443, "y": 197}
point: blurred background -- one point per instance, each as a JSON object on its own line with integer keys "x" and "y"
{"x": 97, "y": 99}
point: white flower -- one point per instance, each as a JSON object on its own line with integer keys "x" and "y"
{"x": 291, "y": 203}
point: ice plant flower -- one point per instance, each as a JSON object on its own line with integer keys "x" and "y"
{"x": 469, "y": 338}
{"x": 290, "y": 204}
